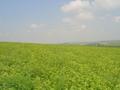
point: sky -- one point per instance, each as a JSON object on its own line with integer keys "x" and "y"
{"x": 59, "y": 21}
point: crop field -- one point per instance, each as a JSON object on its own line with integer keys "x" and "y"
{"x": 58, "y": 67}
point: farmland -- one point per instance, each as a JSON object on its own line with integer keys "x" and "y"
{"x": 58, "y": 67}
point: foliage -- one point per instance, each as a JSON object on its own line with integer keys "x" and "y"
{"x": 58, "y": 67}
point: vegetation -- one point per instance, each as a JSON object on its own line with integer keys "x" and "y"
{"x": 58, "y": 67}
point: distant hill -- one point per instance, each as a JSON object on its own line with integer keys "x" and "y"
{"x": 99, "y": 43}
{"x": 106, "y": 43}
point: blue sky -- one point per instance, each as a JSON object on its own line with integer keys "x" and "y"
{"x": 56, "y": 21}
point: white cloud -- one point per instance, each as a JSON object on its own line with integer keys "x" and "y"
{"x": 79, "y": 18}
{"x": 83, "y": 26}
{"x": 75, "y": 6}
{"x": 33, "y": 26}
{"x": 81, "y": 10}
{"x": 85, "y": 16}
{"x": 84, "y": 9}
{"x": 37, "y": 26}
{"x": 108, "y": 4}
{"x": 116, "y": 19}
{"x": 67, "y": 20}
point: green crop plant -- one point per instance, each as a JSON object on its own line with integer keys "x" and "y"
{"x": 58, "y": 67}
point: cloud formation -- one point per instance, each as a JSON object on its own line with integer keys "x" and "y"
{"x": 80, "y": 5}
{"x": 108, "y": 4}
{"x": 117, "y": 19}
{"x": 85, "y": 16}
{"x": 75, "y": 6}
{"x": 37, "y": 26}
{"x": 83, "y": 26}
{"x": 67, "y": 20}
{"x": 83, "y": 11}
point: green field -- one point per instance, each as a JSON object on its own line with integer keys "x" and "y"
{"x": 58, "y": 67}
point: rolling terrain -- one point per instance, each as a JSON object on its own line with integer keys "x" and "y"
{"x": 25, "y": 66}
{"x": 109, "y": 43}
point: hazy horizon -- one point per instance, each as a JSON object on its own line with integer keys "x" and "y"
{"x": 59, "y": 21}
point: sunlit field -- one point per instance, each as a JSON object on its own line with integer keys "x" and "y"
{"x": 58, "y": 67}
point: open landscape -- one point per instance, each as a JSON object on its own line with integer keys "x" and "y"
{"x": 59, "y": 44}
{"x": 25, "y": 66}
